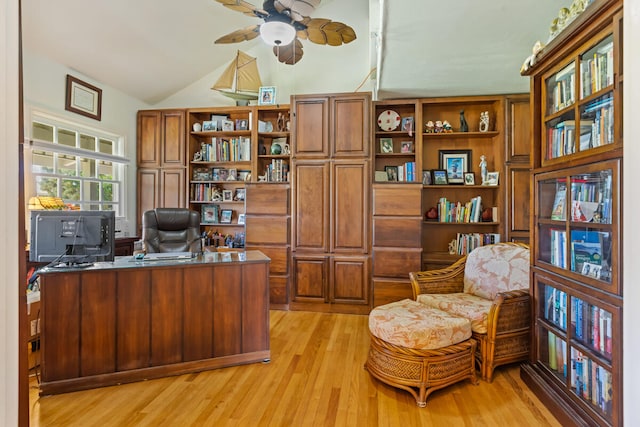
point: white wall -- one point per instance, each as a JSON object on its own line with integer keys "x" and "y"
{"x": 45, "y": 90}
{"x": 631, "y": 249}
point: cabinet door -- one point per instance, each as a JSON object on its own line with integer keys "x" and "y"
{"x": 310, "y": 278}
{"x": 148, "y": 192}
{"x": 350, "y": 280}
{"x": 351, "y": 125}
{"x": 172, "y": 144}
{"x": 311, "y": 127}
{"x": 350, "y": 206}
{"x": 311, "y": 202}
{"x": 148, "y": 138}
{"x": 172, "y": 188}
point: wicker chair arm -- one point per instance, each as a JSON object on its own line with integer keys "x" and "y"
{"x": 511, "y": 311}
{"x": 441, "y": 281}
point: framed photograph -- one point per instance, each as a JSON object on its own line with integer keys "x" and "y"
{"x": 83, "y": 98}
{"x": 209, "y": 214}
{"x": 492, "y": 178}
{"x": 227, "y": 195}
{"x": 456, "y": 163}
{"x": 244, "y": 175}
{"x": 225, "y": 216}
{"x": 407, "y": 124}
{"x": 242, "y": 124}
{"x": 381, "y": 176}
{"x": 209, "y": 125}
{"x": 227, "y": 125}
{"x": 241, "y": 219}
{"x": 469, "y": 178}
{"x": 232, "y": 175}
{"x": 440, "y": 177}
{"x": 267, "y": 95}
{"x": 426, "y": 177}
{"x": 223, "y": 174}
{"x": 240, "y": 195}
{"x": 392, "y": 173}
{"x": 406, "y": 147}
{"x": 386, "y": 145}
{"x": 201, "y": 174}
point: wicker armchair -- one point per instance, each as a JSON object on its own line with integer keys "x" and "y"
{"x": 490, "y": 287}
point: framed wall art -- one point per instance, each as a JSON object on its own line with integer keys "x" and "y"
{"x": 83, "y": 98}
{"x": 267, "y": 95}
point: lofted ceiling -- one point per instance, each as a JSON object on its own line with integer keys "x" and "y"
{"x": 151, "y": 49}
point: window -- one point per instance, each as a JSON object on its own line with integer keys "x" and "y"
{"x": 84, "y": 167}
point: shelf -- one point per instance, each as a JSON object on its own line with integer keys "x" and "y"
{"x": 447, "y": 135}
{"x": 464, "y": 224}
{"x": 459, "y": 187}
{"x": 229, "y": 133}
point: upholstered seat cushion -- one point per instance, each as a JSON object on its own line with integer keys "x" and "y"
{"x": 492, "y": 269}
{"x": 469, "y": 306}
{"x": 410, "y": 324}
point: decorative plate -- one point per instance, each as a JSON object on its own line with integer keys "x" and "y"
{"x": 388, "y": 120}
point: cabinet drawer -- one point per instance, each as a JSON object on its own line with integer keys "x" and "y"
{"x": 395, "y": 262}
{"x": 267, "y": 230}
{"x": 267, "y": 199}
{"x": 397, "y": 232}
{"x": 279, "y": 258}
{"x": 398, "y": 200}
{"x": 278, "y": 286}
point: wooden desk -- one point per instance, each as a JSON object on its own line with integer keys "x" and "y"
{"x": 132, "y": 320}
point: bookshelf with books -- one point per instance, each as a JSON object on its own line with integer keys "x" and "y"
{"x": 461, "y": 129}
{"x": 576, "y": 359}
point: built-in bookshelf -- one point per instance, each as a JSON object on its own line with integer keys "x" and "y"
{"x": 576, "y": 362}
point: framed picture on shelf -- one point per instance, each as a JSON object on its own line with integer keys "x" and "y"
{"x": 227, "y": 125}
{"x": 240, "y": 195}
{"x": 209, "y": 214}
{"x": 209, "y": 125}
{"x": 242, "y": 124}
{"x": 406, "y": 147}
{"x": 232, "y": 175}
{"x": 267, "y": 95}
{"x": 225, "y": 216}
{"x": 201, "y": 174}
{"x": 407, "y": 124}
{"x": 426, "y": 177}
{"x": 392, "y": 173}
{"x": 386, "y": 145}
{"x": 456, "y": 163}
{"x": 227, "y": 195}
{"x": 241, "y": 219}
{"x": 223, "y": 174}
{"x": 492, "y": 178}
{"x": 440, "y": 177}
{"x": 469, "y": 178}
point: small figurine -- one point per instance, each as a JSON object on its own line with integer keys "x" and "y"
{"x": 216, "y": 195}
{"x": 431, "y": 214}
{"x": 464, "y": 127}
{"x": 484, "y": 121}
{"x": 438, "y": 128}
{"x": 429, "y": 127}
{"x": 453, "y": 247}
{"x": 446, "y": 127}
{"x": 483, "y": 168}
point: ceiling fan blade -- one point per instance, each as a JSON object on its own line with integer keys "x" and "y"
{"x": 243, "y": 7}
{"x": 299, "y": 9}
{"x": 326, "y": 31}
{"x": 237, "y": 36}
{"x": 289, "y": 54}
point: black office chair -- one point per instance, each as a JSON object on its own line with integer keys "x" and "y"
{"x": 171, "y": 230}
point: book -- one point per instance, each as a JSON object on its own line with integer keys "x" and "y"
{"x": 558, "y": 210}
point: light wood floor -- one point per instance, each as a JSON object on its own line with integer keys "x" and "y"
{"x": 315, "y": 378}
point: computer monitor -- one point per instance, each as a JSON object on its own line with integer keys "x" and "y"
{"x": 72, "y": 237}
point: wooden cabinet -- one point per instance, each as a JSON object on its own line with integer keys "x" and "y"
{"x": 576, "y": 359}
{"x": 331, "y": 202}
{"x": 160, "y": 160}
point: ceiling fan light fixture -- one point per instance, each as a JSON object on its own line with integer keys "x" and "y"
{"x": 276, "y": 33}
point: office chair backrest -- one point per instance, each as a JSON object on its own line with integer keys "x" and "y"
{"x": 171, "y": 230}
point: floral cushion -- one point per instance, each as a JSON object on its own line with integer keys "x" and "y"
{"x": 497, "y": 268}
{"x": 471, "y": 307}
{"x": 409, "y": 324}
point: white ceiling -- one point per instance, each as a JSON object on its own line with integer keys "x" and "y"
{"x": 151, "y": 49}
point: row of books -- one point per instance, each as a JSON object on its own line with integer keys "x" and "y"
{"x": 407, "y": 172}
{"x": 466, "y": 242}
{"x": 555, "y": 306}
{"x": 592, "y": 326}
{"x": 558, "y": 248}
{"x": 563, "y": 92}
{"x": 591, "y": 382}
{"x": 561, "y": 138}
{"x": 461, "y": 213}
{"x": 226, "y": 150}
{"x": 205, "y": 192}
{"x": 277, "y": 171}
{"x": 600, "y": 112}
{"x": 557, "y": 354}
{"x": 596, "y": 73}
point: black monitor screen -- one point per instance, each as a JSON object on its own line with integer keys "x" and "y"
{"x": 72, "y": 236}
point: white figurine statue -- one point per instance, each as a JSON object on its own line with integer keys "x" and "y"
{"x": 483, "y": 168}
{"x": 484, "y": 121}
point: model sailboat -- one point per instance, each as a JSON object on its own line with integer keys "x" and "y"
{"x": 241, "y": 80}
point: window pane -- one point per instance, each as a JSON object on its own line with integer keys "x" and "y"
{"x": 109, "y": 208}
{"x": 92, "y": 207}
{"x": 87, "y": 142}
{"x": 46, "y": 186}
{"x": 106, "y": 146}
{"x": 107, "y": 192}
{"x": 87, "y": 167}
{"x": 66, "y": 137}
{"x": 42, "y": 162}
{"x": 67, "y": 164}
{"x": 91, "y": 191}
{"x": 105, "y": 170}
{"x": 42, "y": 132}
{"x": 70, "y": 189}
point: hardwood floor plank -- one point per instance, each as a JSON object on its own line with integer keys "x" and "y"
{"x": 316, "y": 378}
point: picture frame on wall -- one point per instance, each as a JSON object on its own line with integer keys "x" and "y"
{"x": 456, "y": 163}
{"x": 267, "y": 95}
{"x": 83, "y": 98}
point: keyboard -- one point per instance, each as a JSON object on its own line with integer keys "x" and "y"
{"x": 167, "y": 256}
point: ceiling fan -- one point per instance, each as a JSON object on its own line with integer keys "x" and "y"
{"x": 285, "y": 22}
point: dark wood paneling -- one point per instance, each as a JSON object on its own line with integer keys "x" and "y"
{"x": 397, "y": 200}
{"x": 279, "y": 256}
{"x": 519, "y": 135}
{"x": 396, "y": 263}
{"x": 149, "y": 133}
{"x": 271, "y": 199}
{"x": 166, "y": 316}
{"x": 255, "y": 320}
{"x": 133, "y": 316}
{"x": 172, "y": 188}
{"x": 278, "y": 289}
{"x": 148, "y": 192}
{"x": 173, "y": 135}
{"x": 198, "y": 313}
{"x": 350, "y": 124}
{"x": 386, "y": 291}
{"x": 311, "y": 205}
{"x": 350, "y": 206}
{"x": 350, "y": 280}
{"x": 312, "y": 139}
{"x": 227, "y": 312}
{"x": 267, "y": 230}
{"x": 310, "y": 280}
{"x": 98, "y": 323}
{"x": 397, "y": 232}
{"x": 520, "y": 209}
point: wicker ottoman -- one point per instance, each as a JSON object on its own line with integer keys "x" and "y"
{"x": 419, "y": 349}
